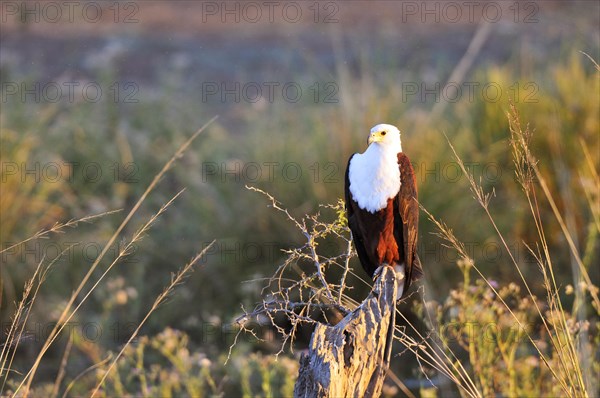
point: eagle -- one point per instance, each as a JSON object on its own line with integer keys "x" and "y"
{"x": 382, "y": 208}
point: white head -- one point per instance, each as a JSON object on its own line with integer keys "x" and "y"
{"x": 386, "y": 136}
{"x": 374, "y": 175}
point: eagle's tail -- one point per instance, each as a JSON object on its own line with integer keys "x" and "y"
{"x": 417, "y": 269}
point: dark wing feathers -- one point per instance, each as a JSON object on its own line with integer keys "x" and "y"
{"x": 357, "y": 237}
{"x": 408, "y": 208}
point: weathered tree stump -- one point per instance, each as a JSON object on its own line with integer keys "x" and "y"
{"x": 351, "y": 358}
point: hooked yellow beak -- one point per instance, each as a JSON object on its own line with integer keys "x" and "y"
{"x": 374, "y": 137}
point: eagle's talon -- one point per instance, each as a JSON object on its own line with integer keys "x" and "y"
{"x": 377, "y": 273}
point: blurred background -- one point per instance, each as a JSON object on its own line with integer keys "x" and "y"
{"x": 97, "y": 96}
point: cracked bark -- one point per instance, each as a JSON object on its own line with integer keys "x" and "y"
{"x": 351, "y": 358}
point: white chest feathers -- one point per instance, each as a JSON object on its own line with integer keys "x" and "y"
{"x": 374, "y": 177}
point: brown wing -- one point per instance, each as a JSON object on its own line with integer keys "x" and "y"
{"x": 408, "y": 208}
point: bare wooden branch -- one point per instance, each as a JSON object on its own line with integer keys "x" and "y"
{"x": 351, "y": 358}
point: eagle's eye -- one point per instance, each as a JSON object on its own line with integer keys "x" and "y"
{"x": 383, "y": 132}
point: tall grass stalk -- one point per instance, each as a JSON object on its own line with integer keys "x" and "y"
{"x": 569, "y": 373}
{"x": 526, "y": 169}
{"x": 68, "y": 313}
{"x": 447, "y": 234}
{"x": 62, "y": 369}
{"x": 58, "y": 227}
{"x": 18, "y": 324}
{"x": 176, "y": 280}
{"x": 21, "y": 315}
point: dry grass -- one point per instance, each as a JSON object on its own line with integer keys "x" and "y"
{"x": 33, "y": 285}
{"x": 534, "y": 347}
{"x": 304, "y": 290}
{"x": 176, "y": 280}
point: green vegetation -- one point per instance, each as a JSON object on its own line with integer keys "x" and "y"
{"x": 546, "y": 210}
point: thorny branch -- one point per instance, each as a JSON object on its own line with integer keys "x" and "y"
{"x": 299, "y": 290}
{"x": 304, "y": 290}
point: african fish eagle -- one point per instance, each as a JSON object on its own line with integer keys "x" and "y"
{"x": 382, "y": 208}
